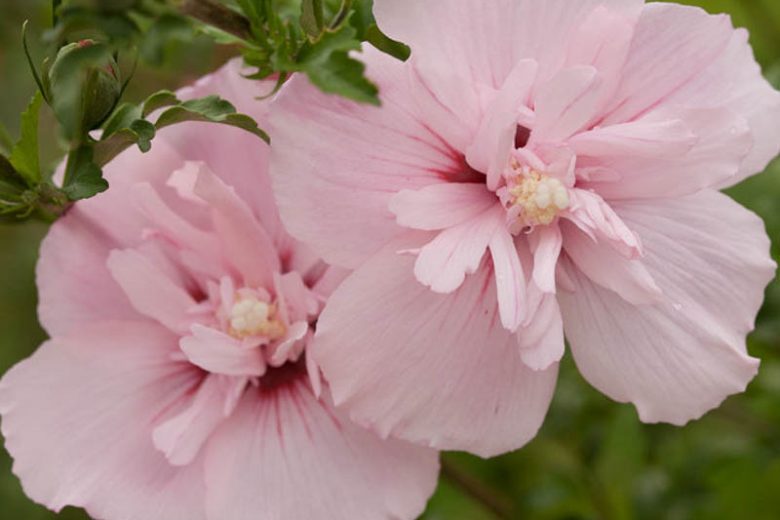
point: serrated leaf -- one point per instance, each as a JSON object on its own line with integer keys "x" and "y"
{"x": 83, "y": 178}
{"x": 319, "y": 52}
{"x": 11, "y": 186}
{"x": 345, "y": 76}
{"x": 211, "y": 109}
{"x": 24, "y": 155}
{"x": 382, "y": 42}
{"x": 158, "y": 100}
{"x": 6, "y": 141}
{"x": 139, "y": 132}
{"x": 312, "y": 18}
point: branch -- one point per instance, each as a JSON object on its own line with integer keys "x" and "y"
{"x": 213, "y": 13}
{"x": 487, "y": 497}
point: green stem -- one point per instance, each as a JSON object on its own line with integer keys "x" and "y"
{"x": 217, "y": 15}
{"x": 494, "y": 502}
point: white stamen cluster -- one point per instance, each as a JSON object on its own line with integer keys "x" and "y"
{"x": 252, "y": 317}
{"x": 539, "y": 197}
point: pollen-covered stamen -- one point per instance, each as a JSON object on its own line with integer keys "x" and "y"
{"x": 252, "y": 317}
{"x": 538, "y": 197}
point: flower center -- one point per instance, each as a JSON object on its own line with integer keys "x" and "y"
{"x": 252, "y": 317}
{"x": 538, "y": 197}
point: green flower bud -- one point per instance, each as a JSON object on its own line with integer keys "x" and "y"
{"x": 84, "y": 87}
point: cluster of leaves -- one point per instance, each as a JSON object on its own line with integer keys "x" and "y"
{"x": 315, "y": 37}
{"x": 83, "y": 84}
{"x": 83, "y": 87}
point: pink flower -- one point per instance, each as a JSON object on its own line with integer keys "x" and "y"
{"x": 536, "y": 166}
{"x": 176, "y": 385}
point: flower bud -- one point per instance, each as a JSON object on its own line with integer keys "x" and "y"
{"x": 84, "y": 86}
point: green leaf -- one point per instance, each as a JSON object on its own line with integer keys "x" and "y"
{"x": 6, "y": 141}
{"x": 128, "y": 125}
{"x": 24, "y": 156}
{"x": 158, "y": 100}
{"x": 11, "y": 186}
{"x": 381, "y": 41}
{"x": 319, "y": 52}
{"x": 83, "y": 178}
{"x": 344, "y": 76}
{"x": 211, "y": 109}
{"x": 139, "y": 132}
{"x": 312, "y": 18}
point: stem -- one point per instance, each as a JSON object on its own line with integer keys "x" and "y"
{"x": 477, "y": 490}
{"x": 217, "y": 15}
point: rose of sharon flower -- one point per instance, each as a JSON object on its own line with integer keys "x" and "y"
{"x": 176, "y": 385}
{"x": 537, "y": 166}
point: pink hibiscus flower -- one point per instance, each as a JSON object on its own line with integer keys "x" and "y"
{"x": 176, "y": 384}
{"x": 536, "y": 167}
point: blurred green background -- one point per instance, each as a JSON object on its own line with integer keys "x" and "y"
{"x": 593, "y": 459}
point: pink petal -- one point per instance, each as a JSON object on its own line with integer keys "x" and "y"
{"x": 443, "y": 263}
{"x": 150, "y": 290}
{"x": 510, "y": 280}
{"x": 177, "y": 229}
{"x": 495, "y": 138}
{"x": 481, "y": 40}
{"x": 735, "y": 81}
{"x": 541, "y": 342}
{"x": 722, "y": 141}
{"x": 440, "y": 206}
{"x": 182, "y": 436}
{"x": 605, "y": 267}
{"x": 433, "y": 369}
{"x": 77, "y": 419}
{"x": 589, "y": 212}
{"x": 546, "y": 246}
{"x": 566, "y": 104}
{"x": 643, "y": 138}
{"x": 246, "y": 244}
{"x": 333, "y": 160}
{"x": 678, "y": 360}
{"x": 672, "y": 46}
{"x": 219, "y": 353}
{"x": 602, "y": 39}
{"x": 75, "y": 287}
{"x": 233, "y": 154}
{"x": 286, "y": 455}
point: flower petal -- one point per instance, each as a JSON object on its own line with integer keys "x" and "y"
{"x": 481, "y": 40}
{"x": 182, "y": 436}
{"x": 672, "y": 46}
{"x": 541, "y": 341}
{"x": 566, "y": 104}
{"x": 433, "y": 369}
{"x": 150, "y": 290}
{"x": 77, "y": 419}
{"x": 510, "y": 280}
{"x": 333, "y": 159}
{"x": 722, "y": 141}
{"x": 440, "y": 206}
{"x": 443, "y": 263}
{"x": 219, "y": 353}
{"x": 286, "y": 455}
{"x": 677, "y": 360}
{"x": 75, "y": 287}
{"x": 603, "y": 265}
{"x": 246, "y": 243}
{"x": 495, "y": 138}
